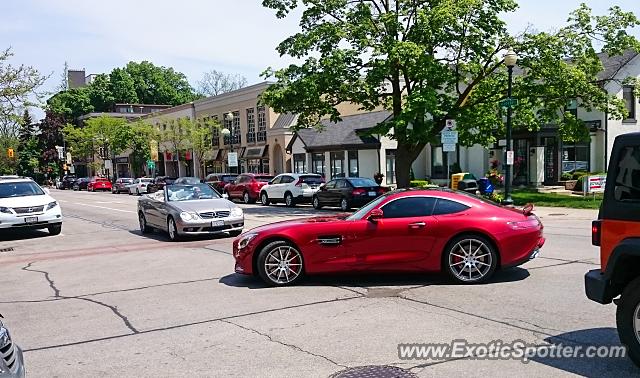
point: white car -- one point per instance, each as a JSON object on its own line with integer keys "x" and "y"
{"x": 140, "y": 186}
{"x": 291, "y": 188}
{"x": 24, "y": 204}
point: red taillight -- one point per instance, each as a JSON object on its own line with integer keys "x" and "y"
{"x": 596, "y": 232}
{"x": 358, "y": 192}
{"x": 299, "y": 183}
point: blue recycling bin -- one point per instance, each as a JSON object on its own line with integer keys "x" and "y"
{"x": 485, "y": 186}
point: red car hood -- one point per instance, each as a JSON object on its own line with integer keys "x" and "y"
{"x": 300, "y": 222}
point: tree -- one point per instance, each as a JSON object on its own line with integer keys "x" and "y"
{"x": 159, "y": 85}
{"x": 214, "y": 83}
{"x": 123, "y": 88}
{"x": 27, "y": 129}
{"x": 200, "y": 139}
{"x": 71, "y": 104}
{"x": 64, "y": 78}
{"x": 428, "y": 61}
{"x": 49, "y": 136}
{"x": 18, "y": 90}
{"x": 28, "y": 153}
{"x": 173, "y": 133}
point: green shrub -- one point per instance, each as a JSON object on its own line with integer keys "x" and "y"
{"x": 577, "y": 174}
{"x": 566, "y": 176}
{"x": 419, "y": 183}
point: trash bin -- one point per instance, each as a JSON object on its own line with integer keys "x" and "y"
{"x": 456, "y": 178}
{"x": 468, "y": 185}
{"x": 485, "y": 186}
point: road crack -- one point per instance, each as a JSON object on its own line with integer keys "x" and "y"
{"x": 52, "y": 284}
{"x": 292, "y": 346}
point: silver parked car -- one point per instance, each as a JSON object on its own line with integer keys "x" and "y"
{"x": 11, "y": 361}
{"x": 183, "y": 210}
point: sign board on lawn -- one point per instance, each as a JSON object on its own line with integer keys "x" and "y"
{"x": 232, "y": 159}
{"x": 594, "y": 184}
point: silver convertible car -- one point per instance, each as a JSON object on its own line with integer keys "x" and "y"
{"x": 183, "y": 210}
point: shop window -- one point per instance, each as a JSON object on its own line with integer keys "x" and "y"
{"x": 575, "y": 158}
{"x": 337, "y": 164}
{"x": 299, "y": 163}
{"x": 317, "y": 162}
{"x": 390, "y": 164}
{"x": 629, "y": 98}
{"x": 354, "y": 169}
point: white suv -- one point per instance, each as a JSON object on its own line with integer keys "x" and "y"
{"x": 291, "y": 188}
{"x": 24, "y": 204}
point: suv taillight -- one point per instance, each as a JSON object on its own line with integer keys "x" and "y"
{"x": 596, "y": 232}
{"x": 299, "y": 183}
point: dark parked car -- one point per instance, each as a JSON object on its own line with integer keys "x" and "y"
{"x": 218, "y": 180}
{"x": 347, "y": 192}
{"x": 188, "y": 181}
{"x": 81, "y": 183}
{"x": 67, "y": 182}
{"x": 159, "y": 183}
{"x": 11, "y": 359}
{"x": 247, "y": 187}
{"x": 120, "y": 186}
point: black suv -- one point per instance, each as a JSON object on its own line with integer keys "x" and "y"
{"x": 67, "y": 182}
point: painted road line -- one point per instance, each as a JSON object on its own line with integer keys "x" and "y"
{"x": 106, "y": 208}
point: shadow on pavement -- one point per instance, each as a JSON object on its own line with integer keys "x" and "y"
{"x": 13, "y": 234}
{"x": 590, "y": 366}
{"x": 278, "y": 210}
{"x": 362, "y": 280}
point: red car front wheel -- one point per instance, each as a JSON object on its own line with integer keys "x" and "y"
{"x": 280, "y": 264}
{"x": 470, "y": 259}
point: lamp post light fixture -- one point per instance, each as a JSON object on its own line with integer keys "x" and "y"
{"x": 510, "y": 60}
{"x": 228, "y": 132}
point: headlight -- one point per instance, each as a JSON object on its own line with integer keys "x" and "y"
{"x": 5, "y": 210}
{"x": 4, "y": 335}
{"x": 236, "y": 212}
{"x": 51, "y": 205}
{"x": 187, "y": 216}
{"x": 246, "y": 239}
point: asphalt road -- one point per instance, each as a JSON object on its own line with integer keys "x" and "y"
{"x": 103, "y": 300}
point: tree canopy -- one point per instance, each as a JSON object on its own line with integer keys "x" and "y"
{"x": 136, "y": 83}
{"x": 214, "y": 83}
{"x": 428, "y": 61}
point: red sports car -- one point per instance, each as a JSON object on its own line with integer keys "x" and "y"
{"x": 402, "y": 231}
{"x": 99, "y": 183}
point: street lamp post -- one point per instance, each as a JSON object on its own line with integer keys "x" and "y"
{"x": 510, "y": 60}
{"x": 229, "y": 132}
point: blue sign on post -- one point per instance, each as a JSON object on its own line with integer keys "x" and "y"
{"x": 449, "y": 137}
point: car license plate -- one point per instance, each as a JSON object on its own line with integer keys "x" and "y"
{"x": 217, "y": 223}
{"x": 31, "y": 220}
{"x": 372, "y": 194}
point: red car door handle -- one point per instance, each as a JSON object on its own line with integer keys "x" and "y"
{"x": 417, "y": 225}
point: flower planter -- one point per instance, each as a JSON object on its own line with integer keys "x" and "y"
{"x": 570, "y": 185}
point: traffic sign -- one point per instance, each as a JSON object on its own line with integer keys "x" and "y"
{"x": 451, "y": 124}
{"x": 508, "y": 102}
{"x": 449, "y": 137}
{"x": 448, "y": 147}
{"x": 232, "y": 159}
{"x": 509, "y": 157}
{"x": 151, "y": 164}
{"x": 10, "y": 153}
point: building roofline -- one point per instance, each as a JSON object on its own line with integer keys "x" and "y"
{"x": 237, "y": 92}
{"x": 172, "y": 109}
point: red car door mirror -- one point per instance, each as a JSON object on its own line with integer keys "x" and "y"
{"x": 375, "y": 215}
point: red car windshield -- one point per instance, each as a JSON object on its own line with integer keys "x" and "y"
{"x": 358, "y": 215}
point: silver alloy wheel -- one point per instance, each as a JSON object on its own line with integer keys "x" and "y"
{"x": 288, "y": 199}
{"x": 344, "y": 205}
{"x": 264, "y": 198}
{"x": 142, "y": 222}
{"x": 636, "y": 322}
{"x": 316, "y": 202}
{"x": 173, "y": 232}
{"x": 245, "y": 197}
{"x": 470, "y": 260}
{"x": 283, "y": 264}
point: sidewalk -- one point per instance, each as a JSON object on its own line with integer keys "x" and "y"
{"x": 589, "y": 214}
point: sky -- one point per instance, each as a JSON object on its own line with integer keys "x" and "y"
{"x": 192, "y": 36}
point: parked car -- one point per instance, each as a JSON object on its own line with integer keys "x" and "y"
{"x": 188, "y": 180}
{"x": 182, "y": 210}
{"x": 24, "y": 204}
{"x": 11, "y": 359}
{"x": 426, "y": 230}
{"x": 159, "y": 183}
{"x": 81, "y": 183}
{"x": 99, "y": 183}
{"x": 67, "y": 182}
{"x": 218, "y": 180}
{"x": 247, "y": 187}
{"x": 140, "y": 186}
{"x": 347, "y": 192}
{"x": 617, "y": 233}
{"x": 121, "y": 185}
{"x": 291, "y": 188}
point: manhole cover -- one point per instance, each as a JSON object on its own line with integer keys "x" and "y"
{"x": 374, "y": 372}
{"x": 383, "y": 292}
{"x": 10, "y": 249}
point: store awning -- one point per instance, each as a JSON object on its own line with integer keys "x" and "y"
{"x": 217, "y": 155}
{"x": 253, "y": 152}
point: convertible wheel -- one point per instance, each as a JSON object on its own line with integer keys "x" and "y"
{"x": 173, "y": 230}
{"x": 280, "y": 264}
{"x": 344, "y": 204}
{"x": 144, "y": 228}
{"x": 137, "y": 192}
{"x": 316, "y": 203}
{"x": 628, "y": 320}
{"x": 288, "y": 200}
{"x": 264, "y": 199}
{"x": 470, "y": 259}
